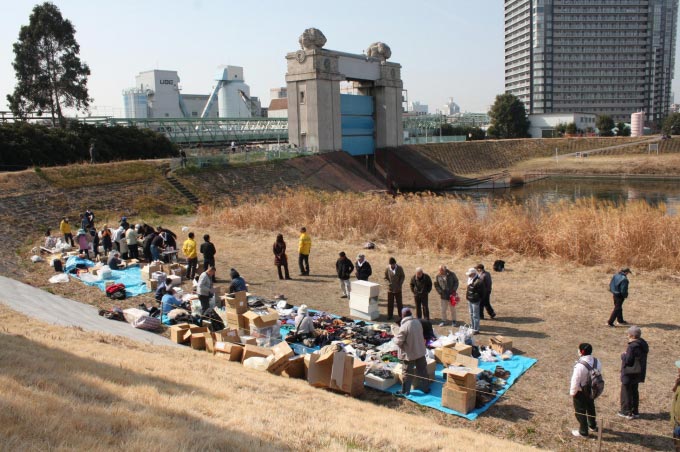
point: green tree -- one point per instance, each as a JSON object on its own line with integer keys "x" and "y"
{"x": 49, "y": 73}
{"x": 561, "y": 129}
{"x": 571, "y": 128}
{"x": 605, "y": 124}
{"x": 671, "y": 125}
{"x": 508, "y": 118}
{"x": 622, "y": 130}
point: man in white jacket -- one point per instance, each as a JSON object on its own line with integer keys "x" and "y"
{"x": 584, "y": 405}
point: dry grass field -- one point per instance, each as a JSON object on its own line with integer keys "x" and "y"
{"x": 67, "y": 389}
{"x": 623, "y": 165}
{"x": 547, "y": 306}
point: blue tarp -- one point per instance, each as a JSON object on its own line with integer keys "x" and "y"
{"x": 73, "y": 261}
{"x": 131, "y": 277}
{"x": 516, "y": 366}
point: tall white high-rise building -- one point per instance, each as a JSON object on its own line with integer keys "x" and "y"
{"x": 612, "y": 57}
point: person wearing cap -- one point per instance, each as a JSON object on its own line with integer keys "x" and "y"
{"x": 363, "y": 268}
{"x": 304, "y": 325}
{"x": 446, "y": 284}
{"x": 485, "y": 277}
{"x": 633, "y": 372}
{"x": 65, "y": 229}
{"x": 618, "y": 286}
{"x": 675, "y": 409}
{"x": 421, "y": 286}
{"x": 584, "y": 405}
{"x": 124, "y": 223}
{"x": 304, "y": 248}
{"x": 411, "y": 350}
{"x": 395, "y": 276}
{"x": 473, "y": 295}
{"x": 344, "y": 269}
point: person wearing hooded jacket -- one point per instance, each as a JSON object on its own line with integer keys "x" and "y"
{"x": 633, "y": 372}
{"x": 304, "y": 325}
{"x": 411, "y": 343}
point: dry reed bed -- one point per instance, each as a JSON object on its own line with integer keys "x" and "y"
{"x": 587, "y": 232}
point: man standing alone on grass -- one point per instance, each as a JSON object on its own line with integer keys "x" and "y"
{"x": 304, "y": 248}
{"x": 411, "y": 343}
{"x": 633, "y": 372}
{"x": 189, "y": 250}
{"x": 208, "y": 251}
{"x": 446, "y": 284}
{"x": 394, "y": 275}
{"x": 344, "y": 268}
{"x": 485, "y": 277}
{"x": 421, "y": 286}
{"x": 618, "y": 286}
{"x": 580, "y": 390}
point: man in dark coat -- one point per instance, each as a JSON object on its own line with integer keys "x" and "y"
{"x": 421, "y": 286}
{"x": 485, "y": 277}
{"x": 363, "y": 268}
{"x": 208, "y": 251}
{"x": 633, "y": 372}
{"x": 618, "y": 286}
{"x": 344, "y": 268}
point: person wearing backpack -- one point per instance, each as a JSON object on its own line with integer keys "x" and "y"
{"x": 586, "y": 385}
{"x": 618, "y": 286}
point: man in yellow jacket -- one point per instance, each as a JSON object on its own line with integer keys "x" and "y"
{"x": 304, "y": 248}
{"x": 189, "y": 250}
{"x": 65, "y": 229}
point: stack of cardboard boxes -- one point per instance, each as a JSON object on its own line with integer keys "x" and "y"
{"x": 459, "y": 392}
{"x": 363, "y": 300}
{"x": 336, "y": 370}
{"x": 156, "y": 272}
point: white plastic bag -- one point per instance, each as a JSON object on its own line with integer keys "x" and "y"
{"x": 59, "y": 278}
{"x": 35, "y": 258}
{"x": 105, "y": 272}
{"x": 256, "y": 363}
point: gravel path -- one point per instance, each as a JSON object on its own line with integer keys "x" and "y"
{"x": 57, "y": 310}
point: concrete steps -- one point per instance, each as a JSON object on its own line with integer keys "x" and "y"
{"x": 184, "y": 191}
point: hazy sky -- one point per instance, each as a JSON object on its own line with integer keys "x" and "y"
{"x": 447, "y": 49}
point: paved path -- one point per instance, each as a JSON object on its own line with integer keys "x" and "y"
{"x": 57, "y": 310}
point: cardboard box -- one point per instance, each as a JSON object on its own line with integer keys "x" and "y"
{"x": 447, "y": 355}
{"x": 347, "y": 374}
{"x": 198, "y": 340}
{"x": 261, "y": 318}
{"x": 282, "y": 353}
{"x": 273, "y": 332}
{"x": 237, "y": 301}
{"x": 319, "y": 369}
{"x": 194, "y": 330}
{"x": 398, "y": 372}
{"x": 374, "y": 381}
{"x": 250, "y": 351}
{"x": 231, "y": 351}
{"x": 152, "y": 285}
{"x": 149, "y": 269}
{"x": 459, "y": 400}
{"x": 295, "y": 367}
{"x": 364, "y": 315}
{"x": 460, "y": 379}
{"x": 177, "y": 332}
{"x": 500, "y": 344}
{"x": 363, "y": 303}
{"x": 210, "y": 342}
{"x": 468, "y": 362}
{"x": 236, "y": 321}
{"x": 228, "y": 335}
{"x": 365, "y": 288}
{"x": 248, "y": 340}
{"x": 176, "y": 280}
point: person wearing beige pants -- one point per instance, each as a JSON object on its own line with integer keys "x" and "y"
{"x": 446, "y": 283}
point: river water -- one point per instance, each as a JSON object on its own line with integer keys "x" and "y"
{"x": 619, "y": 191}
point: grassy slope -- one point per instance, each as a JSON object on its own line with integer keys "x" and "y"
{"x": 69, "y": 389}
{"x": 641, "y": 164}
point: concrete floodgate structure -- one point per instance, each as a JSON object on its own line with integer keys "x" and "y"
{"x": 44, "y": 306}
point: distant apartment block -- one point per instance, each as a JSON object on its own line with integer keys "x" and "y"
{"x": 612, "y": 57}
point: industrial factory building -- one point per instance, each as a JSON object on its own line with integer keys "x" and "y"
{"x": 157, "y": 95}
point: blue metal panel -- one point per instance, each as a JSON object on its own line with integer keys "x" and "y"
{"x": 357, "y": 125}
{"x": 356, "y": 105}
{"x": 359, "y": 145}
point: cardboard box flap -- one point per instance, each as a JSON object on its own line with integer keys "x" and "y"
{"x": 266, "y": 319}
{"x": 282, "y": 353}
